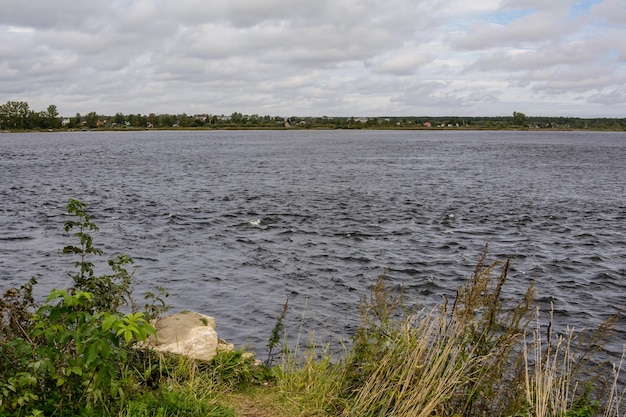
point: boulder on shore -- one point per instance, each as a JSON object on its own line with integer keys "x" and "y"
{"x": 189, "y": 334}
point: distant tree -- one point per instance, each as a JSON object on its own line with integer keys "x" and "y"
{"x": 15, "y": 115}
{"x": 153, "y": 119}
{"x": 119, "y": 119}
{"x": 236, "y": 117}
{"x": 52, "y": 111}
{"x": 519, "y": 118}
{"x": 185, "y": 120}
{"x": 52, "y": 116}
{"x": 37, "y": 120}
{"x": 166, "y": 120}
{"x": 76, "y": 120}
{"x": 91, "y": 119}
{"x": 137, "y": 120}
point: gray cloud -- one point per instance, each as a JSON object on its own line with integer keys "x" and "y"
{"x": 612, "y": 12}
{"x": 344, "y": 57}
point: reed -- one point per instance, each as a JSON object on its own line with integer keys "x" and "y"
{"x": 615, "y": 400}
{"x": 548, "y": 379}
{"x": 308, "y": 376}
{"x": 419, "y": 370}
{"x": 561, "y": 381}
{"x": 473, "y": 359}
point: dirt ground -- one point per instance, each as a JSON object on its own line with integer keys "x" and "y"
{"x": 259, "y": 403}
{"x": 250, "y": 407}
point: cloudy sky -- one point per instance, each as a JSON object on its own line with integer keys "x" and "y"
{"x": 316, "y": 57}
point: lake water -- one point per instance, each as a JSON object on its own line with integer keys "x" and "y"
{"x": 233, "y": 223}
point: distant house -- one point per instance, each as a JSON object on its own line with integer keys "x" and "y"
{"x": 428, "y": 124}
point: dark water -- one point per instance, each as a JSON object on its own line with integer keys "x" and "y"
{"x": 234, "y": 223}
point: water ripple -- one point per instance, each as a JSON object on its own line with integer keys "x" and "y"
{"x": 234, "y": 223}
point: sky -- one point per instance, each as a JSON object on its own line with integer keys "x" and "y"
{"x": 316, "y": 57}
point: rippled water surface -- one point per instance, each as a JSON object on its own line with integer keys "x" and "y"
{"x": 234, "y": 223}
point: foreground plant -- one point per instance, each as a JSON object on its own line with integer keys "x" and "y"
{"x": 69, "y": 358}
{"x": 471, "y": 359}
{"x": 560, "y": 379}
{"x": 479, "y": 356}
{"x": 111, "y": 291}
{"x": 70, "y": 354}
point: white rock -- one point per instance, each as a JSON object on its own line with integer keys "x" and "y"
{"x": 189, "y": 334}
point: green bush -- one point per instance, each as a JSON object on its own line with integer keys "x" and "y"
{"x": 69, "y": 358}
{"x": 70, "y": 354}
{"x": 111, "y": 291}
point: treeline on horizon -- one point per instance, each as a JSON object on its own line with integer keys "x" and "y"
{"x": 17, "y": 115}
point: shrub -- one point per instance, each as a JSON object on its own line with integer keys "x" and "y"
{"x": 70, "y": 354}
{"x": 113, "y": 291}
{"x": 69, "y": 358}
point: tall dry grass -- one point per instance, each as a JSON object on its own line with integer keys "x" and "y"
{"x": 549, "y": 381}
{"x": 480, "y": 356}
{"x": 420, "y": 369}
{"x": 562, "y": 380}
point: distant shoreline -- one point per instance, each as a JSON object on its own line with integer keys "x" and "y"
{"x": 295, "y": 128}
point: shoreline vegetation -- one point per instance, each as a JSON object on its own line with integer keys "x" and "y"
{"x": 16, "y": 116}
{"x": 484, "y": 352}
{"x": 611, "y": 126}
{"x": 282, "y": 128}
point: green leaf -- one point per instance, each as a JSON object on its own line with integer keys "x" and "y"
{"x": 54, "y": 315}
{"x": 149, "y": 329}
{"x": 26, "y": 379}
{"x": 91, "y": 355}
{"x": 108, "y": 322}
{"x": 72, "y": 249}
{"x": 54, "y": 294}
{"x": 105, "y": 349}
